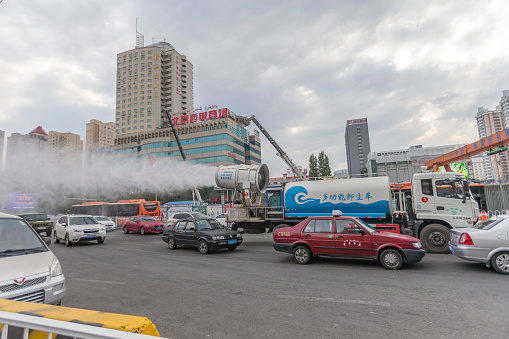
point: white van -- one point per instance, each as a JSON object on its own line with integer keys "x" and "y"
{"x": 29, "y": 271}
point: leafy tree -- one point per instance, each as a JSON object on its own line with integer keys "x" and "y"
{"x": 323, "y": 165}
{"x": 313, "y": 166}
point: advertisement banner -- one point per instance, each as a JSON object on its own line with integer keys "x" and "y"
{"x": 460, "y": 167}
{"x": 23, "y": 201}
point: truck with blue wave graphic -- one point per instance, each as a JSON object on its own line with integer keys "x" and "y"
{"x": 439, "y": 201}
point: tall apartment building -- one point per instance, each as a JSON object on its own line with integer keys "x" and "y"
{"x": 504, "y": 104}
{"x": 150, "y": 79}
{"x": 99, "y": 136}
{"x": 357, "y": 145}
{"x": 65, "y": 145}
{"x": 488, "y": 123}
{"x": 2, "y": 142}
{"x": 21, "y": 147}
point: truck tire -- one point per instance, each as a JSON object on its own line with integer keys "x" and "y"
{"x": 435, "y": 238}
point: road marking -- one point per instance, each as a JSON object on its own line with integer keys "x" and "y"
{"x": 100, "y": 281}
{"x": 334, "y": 300}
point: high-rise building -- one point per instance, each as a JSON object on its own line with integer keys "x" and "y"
{"x": 504, "y": 104}
{"x": 150, "y": 79}
{"x": 2, "y": 140}
{"x": 65, "y": 145}
{"x": 357, "y": 145}
{"x": 489, "y": 122}
{"x": 20, "y": 146}
{"x": 99, "y": 136}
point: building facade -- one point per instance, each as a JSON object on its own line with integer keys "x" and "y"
{"x": 65, "y": 145}
{"x": 151, "y": 79}
{"x": 2, "y": 143}
{"x": 490, "y": 122}
{"x": 401, "y": 165}
{"x": 20, "y": 146}
{"x": 357, "y": 145}
{"x": 478, "y": 170}
{"x": 214, "y": 137}
{"x": 99, "y": 136}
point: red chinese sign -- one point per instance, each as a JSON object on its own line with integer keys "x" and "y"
{"x": 202, "y": 116}
{"x": 356, "y": 121}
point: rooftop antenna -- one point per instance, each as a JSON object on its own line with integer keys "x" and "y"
{"x": 140, "y": 39}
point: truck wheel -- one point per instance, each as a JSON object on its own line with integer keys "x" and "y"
{"x": 500, "y": 262}
{"x": 301, "y": 255}
{"x": 391, "y": 259}
{"x": 435, "y": 238}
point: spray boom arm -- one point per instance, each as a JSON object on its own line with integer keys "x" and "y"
{"x": 298, "y": 173}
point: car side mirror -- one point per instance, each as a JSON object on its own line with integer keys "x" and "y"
{"x": 64, "y": 224}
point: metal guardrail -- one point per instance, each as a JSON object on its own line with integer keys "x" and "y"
{"x": 16, "y": 325}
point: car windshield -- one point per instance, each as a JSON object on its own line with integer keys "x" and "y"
{"x": 368, "y": 228}
{"x": 16, "y": 238}
{"x": 147, "y": 219}
{"x": 82, "y": 221}
{"x": 33, "y": 217}
{"x": 197, "y": 215}
{"x": 488, "y": 223}
{"x": 208, "y": 224}
{"x": 101, "y": 219}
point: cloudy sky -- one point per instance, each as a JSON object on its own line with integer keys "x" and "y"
{"x": 417, "y": 70}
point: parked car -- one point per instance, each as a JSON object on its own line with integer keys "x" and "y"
{"x": 205, "y": 233}
{"x": 41, "y": 222}
{"x": 143, "y": 224}
{"x": 486, "y": 242}
{"x": 108, "y": 223}
{"x": 346, "y": 237}
{"x": 182, "y": 215}
{"x": 29, "y": 271}
{"x": 76, "y": 228}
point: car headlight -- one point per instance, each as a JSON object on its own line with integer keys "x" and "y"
{"x": 220, "y": 237}
{"x": 55, "y": 268}
{"x": 76, "y": 230}
{"x": 417, "y": 244}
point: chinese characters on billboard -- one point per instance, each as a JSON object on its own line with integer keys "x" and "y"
{"x": 23, "y": 201}
{"x": 200, "y": 116}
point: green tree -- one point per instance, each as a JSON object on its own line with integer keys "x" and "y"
{"x": 323, "y": 165}
{"x": 313, "y": 166}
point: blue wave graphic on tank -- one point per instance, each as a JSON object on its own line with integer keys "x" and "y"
{"x": 297, "y": 200}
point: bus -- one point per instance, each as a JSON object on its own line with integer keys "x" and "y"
{"x": 122, "y": 208}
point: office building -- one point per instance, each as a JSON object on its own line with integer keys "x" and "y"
{"x": 401, "y": 165}
{"x": 504, "y": 106}
{"x": 489, "y": 122}
{"x": 150, "y": 79}
{"x": 478, "y": 170}
{"x": 65, "y": 145}
{"x": 2, "y": 142}
{"x": 100, "y": 136}
{"x": 208, "y": 136}
{"x": 23, "y": 146}
{"x": 357, "y": 145}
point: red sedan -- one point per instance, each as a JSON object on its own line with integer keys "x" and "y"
{"x": 346, "y": 237}
{"x": 143, "y": 224}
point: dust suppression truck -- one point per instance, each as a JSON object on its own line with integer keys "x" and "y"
{"x": 438, "y": 202}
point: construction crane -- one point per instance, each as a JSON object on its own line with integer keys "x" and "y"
{"x": 196, "y": 192}
{"x": 297, "y": 172}
{"x": 492, "y": 144}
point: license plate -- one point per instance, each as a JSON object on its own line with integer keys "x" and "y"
{"x": 158, "y": 228}
{"x": 90, "y": 235}
{"x": 42, "y": 227}
{"x": 230, "y": 242}
{"x": 452, "y": 249}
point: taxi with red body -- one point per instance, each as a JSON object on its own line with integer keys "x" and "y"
{"x": 346, "y": 237}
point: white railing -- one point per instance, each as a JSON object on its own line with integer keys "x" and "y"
{"x": 25, "y": 323}
{"x": 497, "y": 212}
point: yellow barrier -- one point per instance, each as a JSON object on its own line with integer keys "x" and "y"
{"x": 128, "y": 323}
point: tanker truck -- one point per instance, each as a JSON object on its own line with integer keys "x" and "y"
{"x": 439, "y": 201}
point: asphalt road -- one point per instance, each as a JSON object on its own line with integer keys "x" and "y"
{"x": 256, "y": 292}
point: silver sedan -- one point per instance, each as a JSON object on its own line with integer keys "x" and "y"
{"x": 486, "y": 242}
